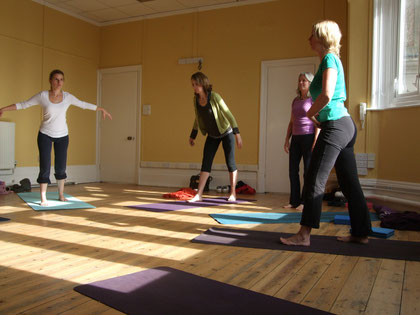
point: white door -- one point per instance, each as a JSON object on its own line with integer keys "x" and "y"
{"x": 120, "y": 138}
{"x": 278, "y": 89}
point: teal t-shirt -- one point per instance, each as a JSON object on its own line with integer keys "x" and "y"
{"x": 335, "y": 109}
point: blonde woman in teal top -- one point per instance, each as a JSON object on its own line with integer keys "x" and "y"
{"x": 214, "y": 119}
{"x": 334, "y": 146}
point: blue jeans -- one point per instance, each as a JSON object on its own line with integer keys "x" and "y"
{"x": 60, "y": 157}
{"x": 334, "y": 147}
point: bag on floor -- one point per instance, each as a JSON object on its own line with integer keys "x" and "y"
{"x": 195, "y": 179}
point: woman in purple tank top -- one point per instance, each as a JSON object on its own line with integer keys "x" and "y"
{"x": 303, "y": 133}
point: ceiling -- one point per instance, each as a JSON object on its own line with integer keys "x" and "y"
{"x": 103, "y": 12}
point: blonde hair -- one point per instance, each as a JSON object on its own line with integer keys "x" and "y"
{"x": 308, "y": 76}
{"x": 329, "y": 34}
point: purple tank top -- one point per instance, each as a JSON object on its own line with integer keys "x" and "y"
{"x": 302, "y": 125}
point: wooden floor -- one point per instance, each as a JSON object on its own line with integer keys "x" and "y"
{"x": 44, "y": 255}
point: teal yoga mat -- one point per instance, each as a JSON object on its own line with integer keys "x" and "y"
{"x": 270, "y": 217}
{"x": 33, "y": 199}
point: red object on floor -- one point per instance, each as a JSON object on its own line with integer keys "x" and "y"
{"x": 182, "y": 194}
{"x": 246, "y": 190}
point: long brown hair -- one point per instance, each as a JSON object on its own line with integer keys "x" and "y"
{"x": 201, "y": 79}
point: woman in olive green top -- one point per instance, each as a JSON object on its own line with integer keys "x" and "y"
{"x": 213, "y": 117}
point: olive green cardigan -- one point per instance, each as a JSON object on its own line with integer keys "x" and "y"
{"x": 222, "y": 115}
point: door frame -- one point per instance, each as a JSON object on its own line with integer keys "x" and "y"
{"x": 265, "y": 67}
{"x": 100, "y": 72}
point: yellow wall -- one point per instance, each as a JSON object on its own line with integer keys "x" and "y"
{"x": 398, "y": 145}
{"x": 233, "y": 42}
{"x": 33, "y": 41}
{"x": 391, "y": 134}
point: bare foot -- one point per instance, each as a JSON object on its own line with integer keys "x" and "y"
{"x": 289, "y": 206}
{"x": 297, "y": 239}
{"x": 300, "y": 208}
{"x": 44, "y": 203}
{"x": 62, "y": 198}
{"x": 232, "y": 198}
{"x": 196, "y": 198}
{"x": 353, "y": 239}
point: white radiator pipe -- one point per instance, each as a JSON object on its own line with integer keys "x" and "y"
{"x": 385, "y": 198}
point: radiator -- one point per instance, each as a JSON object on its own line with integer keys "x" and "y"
{"x": 7, "y": 145}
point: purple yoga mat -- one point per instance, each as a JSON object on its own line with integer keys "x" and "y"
{"x": 223, "y": 200}
{"x": 182, "y": 204}
{"x": 164, "y": 290}
{"x": 172, "y": 206}
{"x": 376, "y": 248}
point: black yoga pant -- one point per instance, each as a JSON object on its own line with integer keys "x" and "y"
{"x": 300, "y": 147}
{"x": 334, "y": 147}
{"x": 60, "y": 157}
{"x": 210, "y": 149}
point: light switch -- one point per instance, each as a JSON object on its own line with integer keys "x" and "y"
{"x": 147, "y": 110}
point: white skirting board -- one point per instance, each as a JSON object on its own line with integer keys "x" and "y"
{"x": 75, "y": 173}
{"x": 177, "y": 177}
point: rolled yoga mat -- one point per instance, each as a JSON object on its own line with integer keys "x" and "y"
{"x": 164, "y": 290}
{"x": 33, "y": 199}
{"x": 376, "y": 248}
{"x": 271, "y": 217}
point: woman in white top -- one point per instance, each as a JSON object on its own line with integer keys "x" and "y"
{"x": 55, "y": 103}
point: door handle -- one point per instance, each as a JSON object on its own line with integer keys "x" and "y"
{"x": 130, "y": 138}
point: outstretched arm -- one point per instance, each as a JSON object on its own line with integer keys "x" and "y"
{"x": 7, "y": 108}
{"x": 104, "y": 112}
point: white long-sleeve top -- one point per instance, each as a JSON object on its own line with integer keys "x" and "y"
{"x": 54, "y": 123}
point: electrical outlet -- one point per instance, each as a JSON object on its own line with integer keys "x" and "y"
{"x": 361, "y": 163}
{"x": 371, "y": 156}
{"x": 362, "y": 171}
{"x": 361, "y": 156}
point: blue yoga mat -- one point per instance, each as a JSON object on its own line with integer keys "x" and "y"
{"x": 4, "y": 219}
{"x": 33, "y": 199}
{"x": 270, "y": 217}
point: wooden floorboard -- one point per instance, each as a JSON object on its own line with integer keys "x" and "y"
{"x": 44, "y": 255}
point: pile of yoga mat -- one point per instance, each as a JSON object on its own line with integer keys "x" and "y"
{"x": 33, "y": 199}
{"x": 182, "y": 205}
{"x": 270, "y": 217}
{"x": 376, "y": 248}
{"x": 164, "y": 290}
